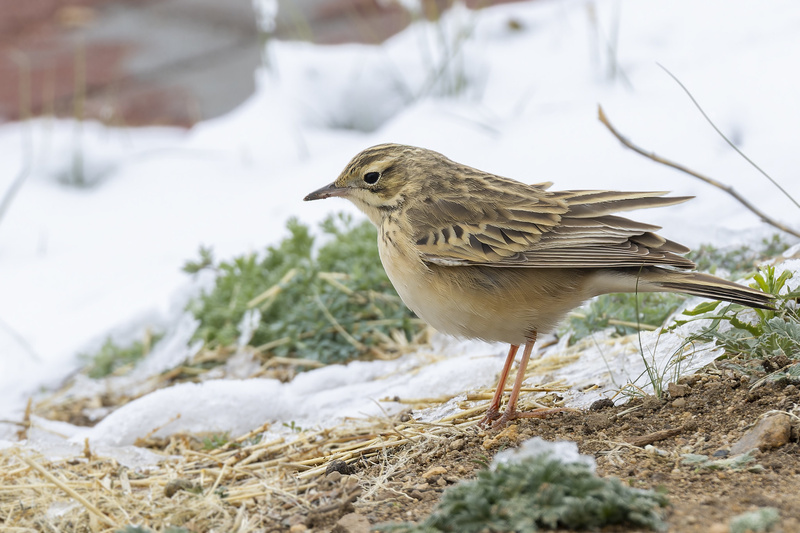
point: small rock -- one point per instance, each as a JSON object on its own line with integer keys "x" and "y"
{"x": 678, "y": 391}
{"x": 298, "y": 528}
{"x": 417, "y": 495}
{"x": 651, "y": 403}
{"x": 434, "y": 472}
{"x": 770, "y": 432}
{"x": 352, "y": 523}
{"x": 337, "y": 465}
{"x": 680, "y": 403}
{"x": 457, "y": 444}
{"x": 721, "y": 453}
{"x": 422, "y": 486}
{"x": 334, "y": 476}
{"x": 602, "y": 403}
{"x": 689, "y": 380}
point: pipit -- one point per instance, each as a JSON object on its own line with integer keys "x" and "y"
{"x": 482, "y": 256}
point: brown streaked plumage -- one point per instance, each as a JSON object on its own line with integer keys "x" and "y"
{"x": 481, "y": 256}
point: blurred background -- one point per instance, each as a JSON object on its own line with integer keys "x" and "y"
{"x": 168, "y": 62}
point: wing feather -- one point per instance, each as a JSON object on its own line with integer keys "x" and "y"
{"x": 493, "y": 221}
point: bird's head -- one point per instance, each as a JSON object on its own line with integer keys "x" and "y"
{"x": 380, "y": 179}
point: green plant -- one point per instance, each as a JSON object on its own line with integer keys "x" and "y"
{"x": 540, "y": 492}
{"x": 620, "y": 312}
{"x": 775, "y": 331}
{"x": 293, "y": 426}
{"x": 740, "y": 261}
{"x": 113, "y": 358}
{"x": 332, "y": 305}
{"x": 736, "y": 463}
{"x": 774, "y": 334}
{"x": 756, "y": 521}
{"x": 217, "y": 440}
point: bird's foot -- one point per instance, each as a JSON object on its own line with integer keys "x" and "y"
{"x": 493, "y": 413}
{"x": 513, "y": 414}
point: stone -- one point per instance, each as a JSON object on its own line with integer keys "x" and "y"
{"x": 678, "y": 391}
{"x": 679, "y": 403}
{"x": 352, "y": 523}
{"x": 770, "y": 432}
{"x": 434, "y": 472}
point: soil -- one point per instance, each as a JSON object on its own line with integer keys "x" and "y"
{"x": 708, "y": 414}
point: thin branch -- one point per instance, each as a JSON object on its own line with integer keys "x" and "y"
{"x": 702, "y": 112}
{"x": 727, "y": 188}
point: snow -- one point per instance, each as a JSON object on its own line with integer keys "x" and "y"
{"x": 563, "y": 451}
{"x": 78, "y": 264}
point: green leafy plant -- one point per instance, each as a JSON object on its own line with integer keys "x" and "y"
{"x": 218, "y": 440}
{"x": 330, "y": 304}
{"x": 741, "y": 462}
{"x": 739, "y": 261}
{"x": 773, "y": 334}
{"x": 758, "y": 521}
{"x": 620, "y": 312}
{"x": 113, "y": 358}
{"x": 540, "y": 492}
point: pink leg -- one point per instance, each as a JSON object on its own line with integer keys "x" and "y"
{"x": 494, "y": 408}
{"x": 511, "y": 412}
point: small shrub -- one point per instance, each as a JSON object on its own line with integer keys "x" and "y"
{"x": 113, "y": 358}
{"x": 332, "y": 305}
{"x": 540, "y": 492}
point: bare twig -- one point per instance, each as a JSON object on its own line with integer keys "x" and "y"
{"x": 708, "y": 119}
{"x": 711, "y": 181}
{"x": 644, "y": 440}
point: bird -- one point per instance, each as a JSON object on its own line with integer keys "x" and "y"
{"x": 477, "y": 255}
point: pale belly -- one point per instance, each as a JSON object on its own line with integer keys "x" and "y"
{"x": 493, "y": 304}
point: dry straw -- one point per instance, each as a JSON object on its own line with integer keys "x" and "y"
{"x": 247, "y": 484}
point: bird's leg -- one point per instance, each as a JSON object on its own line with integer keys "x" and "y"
{"x": 494, "y": 408}
{"x": 511, "y": 412}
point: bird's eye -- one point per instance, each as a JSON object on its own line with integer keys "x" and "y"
{"x": 372, "y": 178}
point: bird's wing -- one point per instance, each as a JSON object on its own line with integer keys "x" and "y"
{"x": 517, "y": 225}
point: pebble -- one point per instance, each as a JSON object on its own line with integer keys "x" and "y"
{"x": 770, "y": 432}
{"x": 434, "y": 472}
{"x": 678, "y": 391}
{"x": 602, "y": 403}
{"x": 352, "y": 523}
{"x": 680, "y": 403}
{"x": 718, "y": 528}
{"x": 340, "y": 466}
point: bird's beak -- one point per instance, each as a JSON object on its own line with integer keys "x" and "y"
{"x": 326, "y": 192}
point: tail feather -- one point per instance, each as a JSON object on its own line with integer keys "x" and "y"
{"x": 705, "y": 285}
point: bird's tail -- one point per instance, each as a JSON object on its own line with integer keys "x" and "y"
{"x": 705, "y": 285}
{"x": 655, "y": 279}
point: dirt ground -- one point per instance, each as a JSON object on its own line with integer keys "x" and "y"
{"x": 714, "y": 410}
